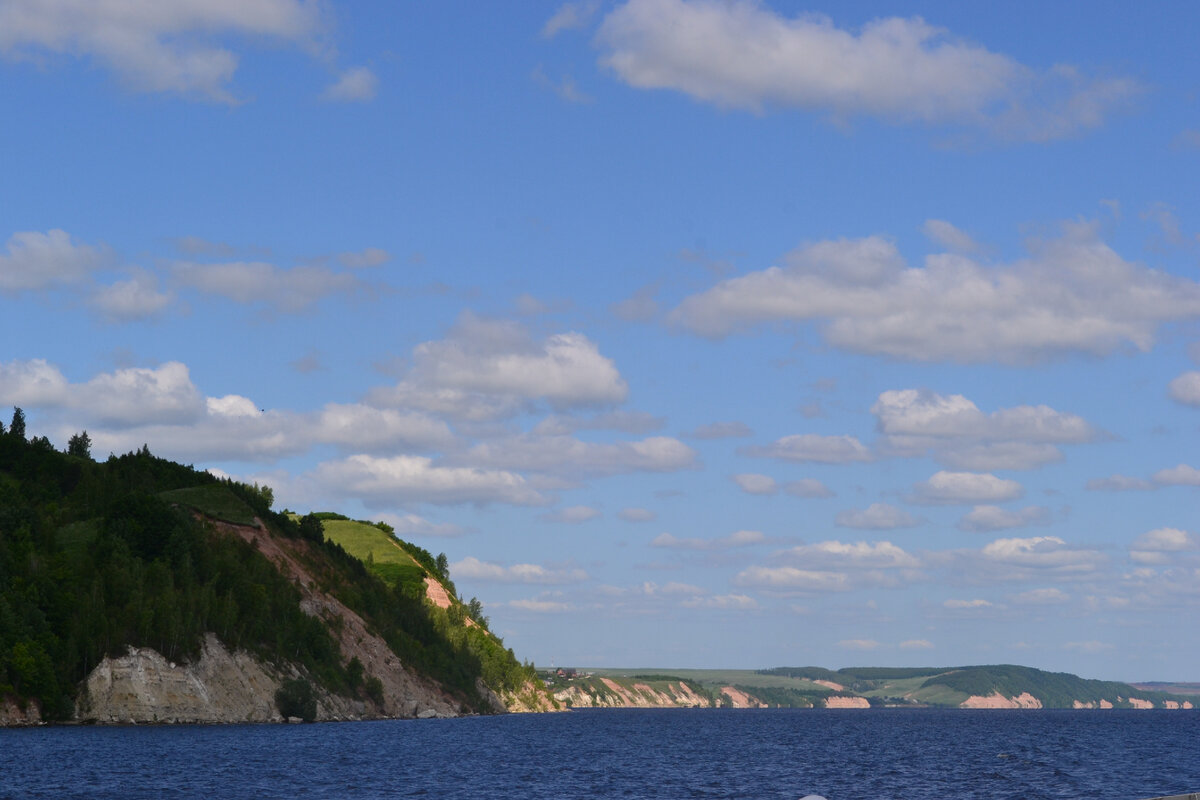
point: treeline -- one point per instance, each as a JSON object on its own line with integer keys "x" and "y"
{"x": 94, "y": 558}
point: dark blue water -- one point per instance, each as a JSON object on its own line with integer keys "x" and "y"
{"x": 842, "y": 755}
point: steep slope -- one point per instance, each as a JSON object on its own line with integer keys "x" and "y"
{"x": 139, "y": 589}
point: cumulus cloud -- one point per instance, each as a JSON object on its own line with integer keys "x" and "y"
{"x": 793, "y": 579}
{"x": 1186, "y": 389}
{"x": 956, "y": 432}
{"x": 812, "y": 447}
{"x": 123, "y": 398}
{"x": 1072, "y": 294}
{"x": 722, "y": 602}
{"x": 754, "y": 483}
{"x": 490, "y": 369}
{"x": 471, "y": 568}
{"x": 876, "y": 517}
{"x": 1181, "y": 475}
{"x": 570, "y": 457}
{"x": 130, "y": 300}
{"x": 735, "y": 539}
{"x": 1042, "y": 553}
{"x": 571, "y": 515}
{"x": 1041, "y": 597}
{"x": 354, "y": 85}
{"x": 1119, "y": 483}
{"x": 948, "y": 236}
{"x": 34, "y": 260}
{"x": 858, "y": 644}
{"x": 624, "y": 421}
{"x": 846, "y": 555}
{"x": 637, "y": 515}
{"x": 384, "y": 481}
{"x": 982, "y": 519}
{"x": 916, "y": 644}
{"x": 965, "y": 488}
{"x": 162, "y": 47}
{"x": 1162, "y": 546}
{"x": 807, "y": 487}
{"x": 957, "y": 605}
{"x": 743, "y": 55}
{"x": 257, "y": 282}
{"x": 570, "y": 16}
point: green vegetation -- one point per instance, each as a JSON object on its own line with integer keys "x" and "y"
{"x": 99, "y": 556}
{"x": 404, "y": 566}
{"x": 215, "y": 500}
{"x": 295, "y": 698}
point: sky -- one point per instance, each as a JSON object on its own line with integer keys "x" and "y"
{"x": 695, "y": 333}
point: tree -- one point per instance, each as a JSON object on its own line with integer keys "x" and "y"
{"x": 443, "y": 565}
{"x": 17, "y": 427}
{"x": 80, "y": 445}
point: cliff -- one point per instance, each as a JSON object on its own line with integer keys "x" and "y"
{"x": 141, "y": 590}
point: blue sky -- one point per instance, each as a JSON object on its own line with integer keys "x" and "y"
{"x": 696, "y": 334}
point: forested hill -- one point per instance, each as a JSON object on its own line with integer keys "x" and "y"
{"x": 135, "y": 550}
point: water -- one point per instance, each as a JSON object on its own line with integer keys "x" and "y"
{"x": 784, "y": 754}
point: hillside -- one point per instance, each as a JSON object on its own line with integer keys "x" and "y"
{"x": 141, "y": 589}
{"x": 994, "y": 686}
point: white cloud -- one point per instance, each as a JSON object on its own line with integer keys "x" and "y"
{"x": 956, "y": 432}
{"x": 44, "y": 260}
{"x": 807, "y": 487}
{"x": 366, "y": 429}
{"x": 251, "y": 282}
{"x": 637, "y": 515}
{"x": 416, "y": 479}
{"x": 638, "y": 307}
{"x": 471, "y": 568}
{"x": 916, "y": 644}
{"x": 948, "y": 236}
{"x": 723, "y": 602}
{"x": 354, "y": 85}
{"x": 157, "y": 47}
{"x": 540, "y": 606}
{"x": 813, "y": 447}
{"x": 134, "y": 299}
{"x": 851, "y": 555}
{"x": 1042, "y": 552}
{"x": 1181, "y": 475}
{"x": 735, "y": 539}
{"x": 754, "y": 483}
{"x": 571, "y": 457}
{"x": 1073, "y": 294}
{"x": 1162, "y": 546}
{"x": 136, "y": 396}
{"x": 572, "y": 515}
{"x": 624, "y": 421}
{"x": 965, "y": 488}
{"x": 721, "y": 430}
{"x": 994, "y": 518}
{"x": 877, "y": 516}
{"x": 742, "y": 55}
{"x": 1119, "y": 483}
{"x": 1186, "y": 389}
{"x": 570, "y": 16}
{"x": 32, "y": 384}
{"x": 792, "y": 579}
{"x": 1041, "y": 597}
{"x": 490, "y": 369}
{"x": 967, "y": 604}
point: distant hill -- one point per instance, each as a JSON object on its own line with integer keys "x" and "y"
{"x": 990, "y": 686}
{"x": 138, "y": 589}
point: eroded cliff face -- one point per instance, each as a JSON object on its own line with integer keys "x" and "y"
{"x": 608, "y": 693}
{"x": 13, "y": 716}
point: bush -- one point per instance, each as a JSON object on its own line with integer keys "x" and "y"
{"x": 296, "y": 699}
